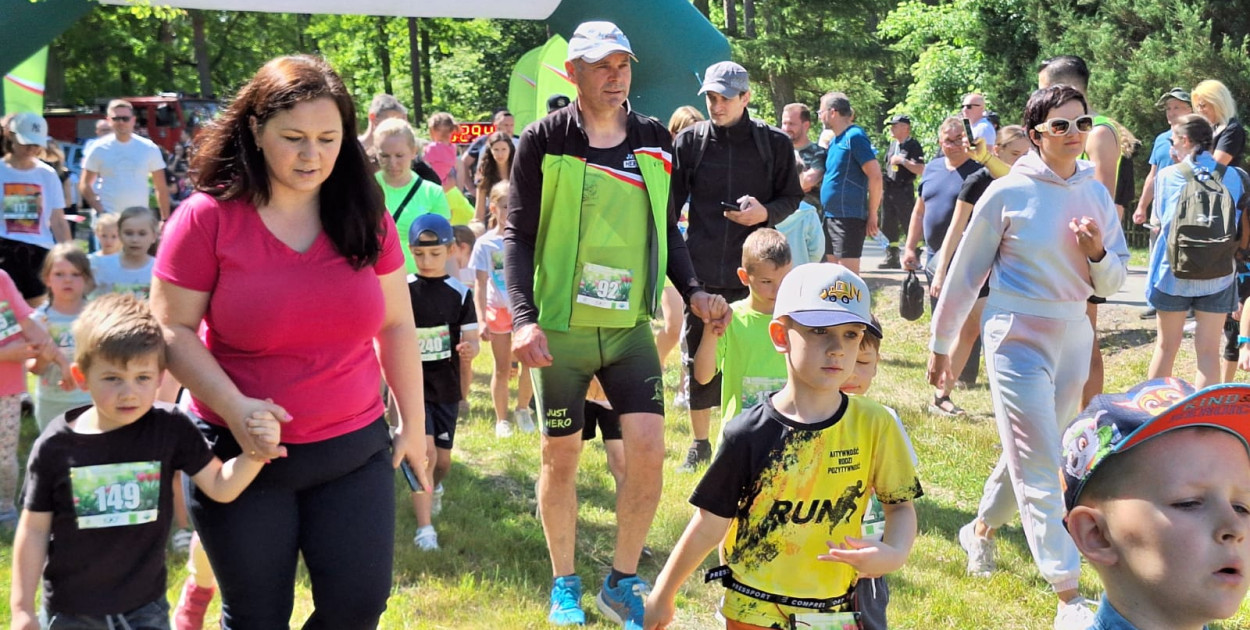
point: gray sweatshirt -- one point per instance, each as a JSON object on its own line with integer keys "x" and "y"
{"x": 1019, "y": 230}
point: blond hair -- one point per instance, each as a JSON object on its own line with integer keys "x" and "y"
{"x": 106, "y": 220}
{"x": 1010, "y": 134}
{"x": 392, "y": 127}
{"x": 118, "y": 103}
{"x": 683, "y": 117}
{"x": 1220, "y": 99}
{"x": 117, "y": 328}
{"x": 443, "y": 120}
{"x": 765, "y": 245}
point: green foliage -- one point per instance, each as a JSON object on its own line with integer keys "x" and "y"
{"x": 141, "y": 49}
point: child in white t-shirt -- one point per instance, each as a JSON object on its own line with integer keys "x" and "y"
{"x": 129, "y": 270}
{"x": 494, "y": 315}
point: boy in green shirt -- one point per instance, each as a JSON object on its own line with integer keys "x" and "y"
{"x": 743, "y": 353}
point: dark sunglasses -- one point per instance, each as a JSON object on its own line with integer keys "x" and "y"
{"x": 1063, "y": 126}
{"x": 121, "y": 118}
{"x": 971, "y": 105}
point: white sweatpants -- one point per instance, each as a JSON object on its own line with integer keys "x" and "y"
{"x": 1037, "y": 368}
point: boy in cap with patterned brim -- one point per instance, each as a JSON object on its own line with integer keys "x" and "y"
{"x": 1156, "y": 483}
{"x": 787, "y": 490}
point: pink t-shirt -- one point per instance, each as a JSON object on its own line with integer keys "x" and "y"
{"x": 294, "y": 327}
{"x": 13, "y": 310}
{"x": 441, "y": 157}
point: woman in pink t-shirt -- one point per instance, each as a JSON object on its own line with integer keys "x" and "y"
{"x": 281, "y": 287}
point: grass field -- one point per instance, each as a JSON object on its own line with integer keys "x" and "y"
{"x": 493, "y": 572}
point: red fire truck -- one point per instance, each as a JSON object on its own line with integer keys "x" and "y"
{"x": 167, "y": 119}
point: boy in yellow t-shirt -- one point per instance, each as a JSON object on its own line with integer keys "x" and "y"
{"x": 743, "y": 353}
{"x": 786, "y": 492}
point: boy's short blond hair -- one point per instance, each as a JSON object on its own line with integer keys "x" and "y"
{"x": 118, "y": 328}
{"x": 106, "y": 220}
{"x": 765, "y": 245}
{"x": 138, "y": 212}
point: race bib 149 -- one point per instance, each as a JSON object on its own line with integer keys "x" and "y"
{"x": 113, "y": 495}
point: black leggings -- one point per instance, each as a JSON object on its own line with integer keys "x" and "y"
{"x": 332, "y": 501}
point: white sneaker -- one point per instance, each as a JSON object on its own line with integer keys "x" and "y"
{"x": 436, "y": 501}
{"x": 1074, "y": 615}
{"x": 503, "y": 429}
{"x": 426, "y": 539}
{"x": 980, "y": 551}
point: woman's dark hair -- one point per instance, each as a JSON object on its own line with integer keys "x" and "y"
{"x": 1199, "y": 131}
{"x": 1046, "y": 100}
{"x": 489, "y": 169}
{"x": 229, "y": 165}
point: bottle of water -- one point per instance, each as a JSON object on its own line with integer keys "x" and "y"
{"x": 880, "y": 240}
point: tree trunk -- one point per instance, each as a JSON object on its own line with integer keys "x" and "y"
{"x": 427, "y": 81}
{"x": 202, "y": 62}
{"x": 782, "y": 87}
{"x": 165, "y": 35}
{"x": 731, "y": 17}
{"x": 748, "y": 18}
{"x": 414, "y": 61}
{"x": 702, "y": 6}
{"x": 54, "y": 86}
{"x": 384, "y": 54}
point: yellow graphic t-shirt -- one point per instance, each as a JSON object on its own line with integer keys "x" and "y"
{"x": 789, "y": 487}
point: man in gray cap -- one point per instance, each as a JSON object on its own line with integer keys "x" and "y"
{"x": 1174, "y": 103}
{"x": 739, "y": 175}
{"x": 590, "y": 235}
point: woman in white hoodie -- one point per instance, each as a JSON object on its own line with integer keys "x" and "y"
{"x": 1050, "y": 233}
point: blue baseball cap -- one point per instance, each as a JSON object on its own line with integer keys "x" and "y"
{"x": 430, "y": 229}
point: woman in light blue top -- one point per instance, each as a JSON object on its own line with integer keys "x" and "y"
{"x": 1172, "y": 297}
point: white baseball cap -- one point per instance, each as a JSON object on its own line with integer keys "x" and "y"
{"x": 29, "y": 128}
{"x": 819, "y": 295}
{"x": 593, "y": 41}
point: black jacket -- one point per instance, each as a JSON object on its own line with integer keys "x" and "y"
{"x": 731, "y": 166}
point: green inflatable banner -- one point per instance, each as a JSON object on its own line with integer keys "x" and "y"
{"x": 23, "y": 86}
{"x": 523, "y": 88}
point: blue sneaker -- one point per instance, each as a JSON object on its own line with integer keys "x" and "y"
{"x": 624, "y": 604}
{"x": 566, "y": 602}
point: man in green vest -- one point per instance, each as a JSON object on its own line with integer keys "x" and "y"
{"x": 590, "y": 234}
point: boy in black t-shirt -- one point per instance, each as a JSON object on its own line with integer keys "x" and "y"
{"x": 99, "y": 481}
{"x": 447, "y": 331}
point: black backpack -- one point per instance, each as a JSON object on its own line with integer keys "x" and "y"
{"x": 1203, "y": 236}
{"x": 703, "y": 134}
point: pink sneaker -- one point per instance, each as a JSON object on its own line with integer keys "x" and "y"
{"x": 189, "y": 614}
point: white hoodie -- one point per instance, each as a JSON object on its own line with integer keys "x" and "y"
{"x": 1019, "y": 229}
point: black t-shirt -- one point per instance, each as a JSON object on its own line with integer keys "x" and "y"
{"x": 443, "y": 309}
{"x": 1125, "y": 183}
{"x": 940, "y": 187}
{"x": 897, "y": 175}
{"x": 111, "y": 500}
{"x": 1232, "y": 140}
{"x": 813, "y": 156}
{"x": 975, "y": 185}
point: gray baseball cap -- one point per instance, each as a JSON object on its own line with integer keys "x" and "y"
{"x": 725, "y": 78}
{"x": 1177, "y": 93}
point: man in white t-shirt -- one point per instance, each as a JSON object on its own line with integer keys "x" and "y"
{"x": 122, "y": 164}
{"x": 982, "y": 128}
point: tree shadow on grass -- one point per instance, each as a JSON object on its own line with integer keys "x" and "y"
{"x": 1125, "y": 339}
{"x": 941, "y": 521}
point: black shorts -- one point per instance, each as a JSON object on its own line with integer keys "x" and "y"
{"x": 625, "y": 361}
{"x": 608, "y": 421}
{"x": 23, "y": 262}
{"x": 440, "y": 423}
{"x": 1231, "y": 330}
{"x": 846, "y": 237}
{"x": 705, "y": 396}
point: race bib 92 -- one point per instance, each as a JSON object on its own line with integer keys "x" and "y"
{"x": 605, "y": 287}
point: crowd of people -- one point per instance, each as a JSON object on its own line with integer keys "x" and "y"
{"x": 583, "y": 252}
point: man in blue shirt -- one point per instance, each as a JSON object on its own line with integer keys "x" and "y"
{"x": 1174, "y": 103}
{"x": 851, "y": 190}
